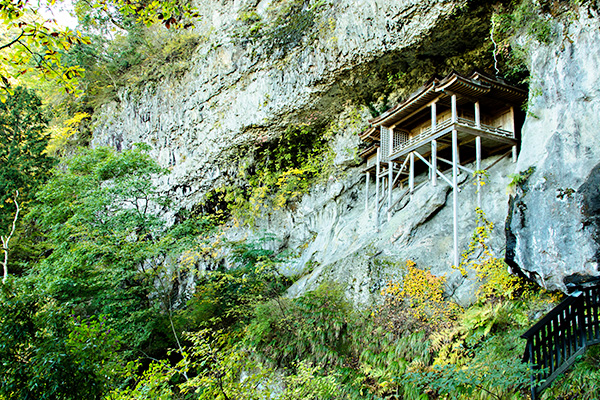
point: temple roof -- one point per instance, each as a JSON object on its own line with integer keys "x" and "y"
{"x": 476, "y": 86}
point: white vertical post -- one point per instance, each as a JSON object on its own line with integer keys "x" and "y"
{"x": 454, "y": 111}
{"x": 477, "y": 115}
{"x": 367, "y": 192}
{"x": 433, "y": 117}
{"x": 514, "y": 130}
{"x": 478, "y": 168}
{"x": 434, "y": 162}
{"x": 377, "y": 172}
{"x": 512, "y": 121}
{"x": 411, "y": 173}
{"x": 390, "y": 182}
{"x": 455, "y": 193}
{"x": 390, "y": 173}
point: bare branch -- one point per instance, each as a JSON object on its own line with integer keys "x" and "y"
{"x": 13, "y": 41}
{"x": 6, "y": 239}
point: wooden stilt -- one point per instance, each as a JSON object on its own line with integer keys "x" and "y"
{"x": 455, "y": 192}
{"x": 390, "y": 174}
{"x": 514, "y": 130}
{"x": 434, "y": 162}
{"x": 477, "y": 115}
{"x": 390, "y": 184}
{"x": 367, "y": 191}
{"x": 454, "y": 111}
{"x": 411, "y": 173}
{"x": 377, "y": 172}
{"x": 478, "y": 168}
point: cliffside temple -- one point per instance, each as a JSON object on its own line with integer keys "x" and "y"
{"x": 444, "y": 124}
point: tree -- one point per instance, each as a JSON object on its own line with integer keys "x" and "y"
{"x": 103, "y": 220}
{"x": 38, "y": 44}
{"x": 68, "y": 327}
{"x": 24, "y": 164}
{"x": 6, "y": 239}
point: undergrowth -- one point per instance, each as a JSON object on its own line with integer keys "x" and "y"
{"x": 281, "y": 172}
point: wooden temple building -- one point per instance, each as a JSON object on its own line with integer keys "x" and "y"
{"x": 446, "y": 123}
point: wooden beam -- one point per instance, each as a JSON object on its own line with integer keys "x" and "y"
{"x": 429, "y": 165}
{"x": 418, "y": 110}
{"x": 378, "y": 170}
{"x": 455, "y": 187}
{"x": 434, "y": 162}
{"x": 454, "y": 111}
{"x": 367, "y": 192}
{"x": 469, "y": 170}
{"x": 411, "y": 176}
{"x": 400, "y": 171}
{"x": 478, "y": 168}
{"x": 390, "y": 183}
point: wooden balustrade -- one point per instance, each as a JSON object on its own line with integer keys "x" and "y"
{"x": 555, "y": 342}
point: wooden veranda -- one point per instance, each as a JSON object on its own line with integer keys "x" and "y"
{"x": 477, "y": 113}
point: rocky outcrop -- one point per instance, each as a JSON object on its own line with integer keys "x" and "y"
{"x": 553, "y": 225}
{"x": 241, "y": 92}
{"x": 238, "y": 92}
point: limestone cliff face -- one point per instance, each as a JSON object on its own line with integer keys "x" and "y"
{"x": 554, "y": 218}
{"x": 238, "y": 94}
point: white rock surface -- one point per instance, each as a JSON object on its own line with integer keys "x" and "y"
{"x": 553, "y": 225}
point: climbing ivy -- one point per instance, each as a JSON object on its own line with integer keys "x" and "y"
{"x": 282, "y": 171}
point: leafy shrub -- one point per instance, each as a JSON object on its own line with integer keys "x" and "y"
{"x": 491, "y": 271}
{"x": 417, "y": 302}
{"x": 312, "y": 327}
{"x": 582, "y": 382}
{"x": 284, "y": 170}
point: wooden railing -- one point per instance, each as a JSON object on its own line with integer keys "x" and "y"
{"x": 426, "y": 134}
{"x": 554, "y": 343}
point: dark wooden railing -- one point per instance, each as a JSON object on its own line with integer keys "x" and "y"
{"x": 554, "y": 343}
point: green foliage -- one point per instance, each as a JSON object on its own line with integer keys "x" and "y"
{"x": 133, "y": 59}
{"x": 284, "y": 170}
{"x": 218, "y": 370}
{"x": 581, "y": 382}
{"x": 25, "y": 164}
{"x": 519, "y": 180}
{"x": 309, "y": 384}
{"x": 47, "y": 354}
{"x": 291, "y": 24}
{"x": 102, "y": 220}
{"x": 34, "y": 45}
{"x": 491, "y": 271}
{"x": 312, "y": 327}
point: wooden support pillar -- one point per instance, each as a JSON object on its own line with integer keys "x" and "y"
{"x": 454, "y": 110}
{"x": 514, "y": 130}
{"x": 411, "y": 173}
{"x": 390, "y": 183}
{"x": 477, "y": 115}
{"x": 478, "y": 168}
{"x": 377, "y": 172}
{"x": 390, "y": 174}
{"x": 434, "y": 162}
{"x": 455, "y": 193}
{"x": 433, "y": 117}
{"x": 367, "y": 192}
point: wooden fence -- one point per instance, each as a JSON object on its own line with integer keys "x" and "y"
{"x": 554, "y": 343}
